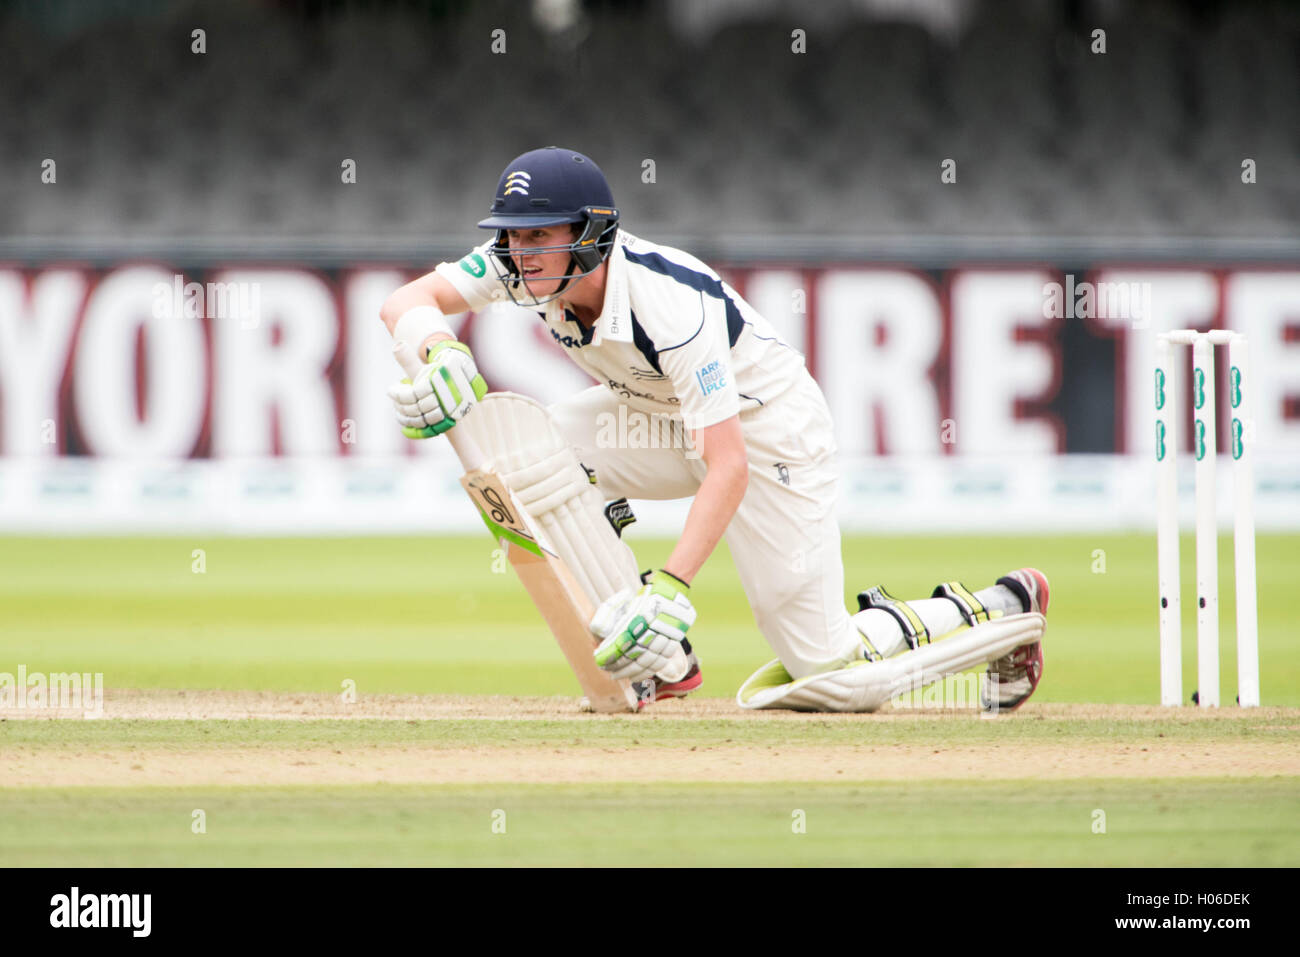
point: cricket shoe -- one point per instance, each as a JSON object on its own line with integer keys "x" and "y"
{"x": 655, "y": 689}
{"x": 1014, "y": 676}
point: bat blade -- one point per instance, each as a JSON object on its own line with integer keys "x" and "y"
{"x": 563, "y": 604}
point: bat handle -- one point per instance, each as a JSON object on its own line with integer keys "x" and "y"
{"x": 465, "y": 447}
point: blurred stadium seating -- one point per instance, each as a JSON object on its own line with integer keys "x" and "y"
{"x": 812, "y": 180}
{"x": 158, "y": 146}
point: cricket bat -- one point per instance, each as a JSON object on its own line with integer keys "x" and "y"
{"x": 564, "y": 605}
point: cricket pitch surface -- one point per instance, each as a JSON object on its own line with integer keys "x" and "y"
{"x": 481, "y": 739}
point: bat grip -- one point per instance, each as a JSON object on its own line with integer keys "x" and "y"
{"x": 463, "y": 445}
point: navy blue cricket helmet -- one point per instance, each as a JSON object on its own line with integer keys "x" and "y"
{"x": 550, "y": 187}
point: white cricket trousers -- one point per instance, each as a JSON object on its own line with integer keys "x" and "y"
{"x": 783, "y": 538}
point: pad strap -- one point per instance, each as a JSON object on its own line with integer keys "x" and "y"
{"x": 620, "y": 515}
{"x": 914, "y": 631}
{"x": 971, "y": 608}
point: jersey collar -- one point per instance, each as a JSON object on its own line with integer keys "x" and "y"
{"x": 615, "y": 321}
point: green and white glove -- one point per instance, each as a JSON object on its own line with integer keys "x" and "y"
{"x": 443, "y": 391}
{"x": 643, "y": 633}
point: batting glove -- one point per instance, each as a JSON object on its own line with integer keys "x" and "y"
{"x": 443, "y": 391}
{"x": 643, "y": 634}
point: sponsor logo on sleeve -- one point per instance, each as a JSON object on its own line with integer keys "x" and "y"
{"x": 712, "y": 377}
{"x": 474, "y": 265}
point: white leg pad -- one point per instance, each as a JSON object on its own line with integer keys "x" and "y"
{"x": 867, "y": 685}
{"x": 524, "y": 446}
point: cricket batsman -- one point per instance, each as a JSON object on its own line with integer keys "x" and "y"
{"x": 665, "y": 336}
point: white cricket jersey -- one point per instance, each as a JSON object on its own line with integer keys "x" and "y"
{"x": 695, "y": 348}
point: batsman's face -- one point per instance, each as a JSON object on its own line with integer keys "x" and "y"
{"x": 536, "y": 256}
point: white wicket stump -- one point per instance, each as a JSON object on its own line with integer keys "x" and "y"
{"x": 1243, "y": 531}
{"x": 1171, "y": 623}
{"x": 1205, "y": 448}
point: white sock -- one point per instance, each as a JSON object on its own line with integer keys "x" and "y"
{"x": 1002, "y": 598}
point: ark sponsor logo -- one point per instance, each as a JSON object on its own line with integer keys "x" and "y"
{"x": 712, "y": 377}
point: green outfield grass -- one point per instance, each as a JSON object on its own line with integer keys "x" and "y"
{"x": 443, "y": 615}
{"x": 1105, "y": 822}
{"x": 1168, "y": 822}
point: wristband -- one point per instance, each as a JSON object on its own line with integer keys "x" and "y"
{"x": 681, "y": 585}
{"x": 418, "y": 324}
